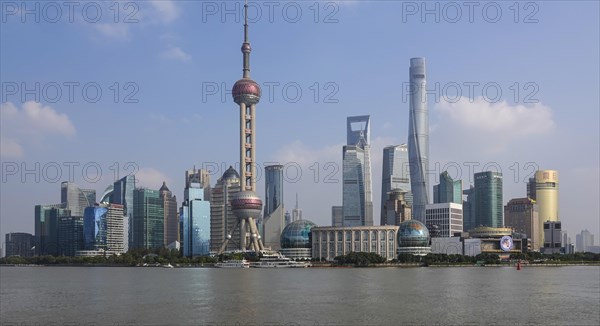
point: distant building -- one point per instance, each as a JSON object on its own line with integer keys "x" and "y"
{"x": 221, "y": 216}
{"x": 357, "y": 198}
{"x": 296, "y": 212}
{"x": 583, "y": 241}
{"x": 148, "y": 219}
{"x": 395, "y": 174}
{"x": 171, "y": 216}
{"x": 330, "y": 242}
{"x": 46, "y": 228}
{"x": 103, "y": 228}
{"x": 70, "y": 235}
{"x": 531, "y": 189}
{"x": 123, "y": 195}
{"x": 522, "y": 215}
{"x": 488, "y": 199}
{"x": 195, "y": 217}
{"x": 274, "y": 211}
{"x": 469, "y": 209}
{"x": 396, "y": 209}
{"x": 448, "y": 190}
{"x": 19, "y": 244}
{"x": 75, "y": 198}
{"x": 501, "y": 241}
{"x": 337, "y": 216}
{"x": 288, "y": 218}
{"x": 552, "y": 237}
{"x": 447, "y": 216}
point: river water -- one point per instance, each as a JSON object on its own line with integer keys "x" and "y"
{"x": 312, "y": 296}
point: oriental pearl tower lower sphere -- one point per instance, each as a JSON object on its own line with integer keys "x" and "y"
{"x": 247, "y": 206}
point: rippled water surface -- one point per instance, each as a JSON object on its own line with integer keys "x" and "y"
{"x": 313, "y": 296}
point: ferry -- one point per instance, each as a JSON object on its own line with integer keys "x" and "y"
{"x": 233, "y": 264}
{"x": 277, "y": 260}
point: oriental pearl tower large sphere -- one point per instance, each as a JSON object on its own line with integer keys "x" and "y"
{"x": 246, "y": 90}
{"x": 246, "y": 204}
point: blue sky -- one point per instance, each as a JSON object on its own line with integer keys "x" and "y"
{"x": 357, "y": 55}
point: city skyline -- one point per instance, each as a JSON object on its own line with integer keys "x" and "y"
{"x": 577, "y": 192}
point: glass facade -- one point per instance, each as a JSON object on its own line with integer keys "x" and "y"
{"x": 123, "y": 195}
{"x": 94, "y": 228}
{"x": 395, "y": 175}
{"x": 70, "y": 235}
{"x": 148, "y": 219}
{"x": 274, "y": 213}
{"x": 76, "y": 199}
{"x": 297, "y": 235}
{"x": 195, "y": 217}
{"x": 413, "y": 233}
{"x": 19, "y": 244}
{"x": 488, "y": 199}
{"x": 448, "y": 191}
{"x": 46, "y": 228}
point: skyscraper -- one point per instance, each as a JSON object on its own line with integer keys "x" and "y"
{"x": 357, "y": 198}
{"x": 469, "y": 209}
{"x": 297, "y": 211}
{"x": 531, "y": 188}
{"x": 103, "y": 228}
{"x": 46, "y": 222}
{"x": 123, "y": 195}
{"x": 196, "y": 216}
{"x": 522, "y": 215}
{"x": 337, "y": 216}
{"x": 395, "y": 174}
{"x": 75, "y": 198}
{"x": 70, "y": 235}
{"x": 246, "y": 205}
{"x": 19, "y": 244}
{"x": 546, "y": 196}
{"x": 448, "y": 190}
{"x": 273, "y": 220}
{"x": 488, "y": 199}
{"x": 148, "y": 219}
{"x": 418, "y": 138}
{"x": 171, "y": 216}
{"x": 395, "y": 209}
{"x": 222, "y": 218}
{"x": 583, "y": 241}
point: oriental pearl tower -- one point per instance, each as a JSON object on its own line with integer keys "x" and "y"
{"x": 246, "y": 205}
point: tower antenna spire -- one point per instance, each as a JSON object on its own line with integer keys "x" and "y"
{"x": 246, "y": 49}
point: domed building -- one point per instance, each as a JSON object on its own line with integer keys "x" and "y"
{"x": 296, "y": 240}
{"x": 413, "y": 238}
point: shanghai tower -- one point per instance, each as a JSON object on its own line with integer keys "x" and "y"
{"x": 418, "y": 138}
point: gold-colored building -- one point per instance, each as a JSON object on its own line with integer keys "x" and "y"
{"x": 546, "y": 188}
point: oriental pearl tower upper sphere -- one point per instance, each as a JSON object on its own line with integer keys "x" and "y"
{"x": 246, "y": 90}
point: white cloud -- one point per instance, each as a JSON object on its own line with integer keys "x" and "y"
{"x": 493, "y": 125}
{"x": 150, "y": 178}
{"x": 176, "y": 53}
{"x": 166, "y": 10}
{"x": 9, "y": 148}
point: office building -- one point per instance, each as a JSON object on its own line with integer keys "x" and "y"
{"x": 583, "y": 241}
{"x": 19, "y": 244}
{"x": 75, "y": 198}
{"x": 171, "y": 215}
{"x": 337, "y": 216}
{"x": 46, "y": 228}
{"x": 103, "y": 228}
{"x": 552, "y": 237}
{"x": 330, "y": 242}
{"x": 546, "y": 196}
{"x": 521, "y": 214}
{"x": 395, "y": 174}
{"x": 357, "y": 198}
{"x": 274, "y": 211}
{"x": 288, "y": 218}
{"x": 123, "y": 195}
{"x": 396, "y": 209}
{"x": 196, "y": 219}
{"x": 70, "y": 235}
{"x": 448, "y": 217}
{"x": 222, "y": 218}
{"x": 418, "y": 138}
{"x": 148, "y": 219}
{"x": 488, "y": 199}
{"x": 469, "y": 209}
{"x": 448, "y": 190}
{"x": 531, "y": 188}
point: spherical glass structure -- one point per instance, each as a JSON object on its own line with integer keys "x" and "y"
{"x": 413, "y": 233}
{"x": 297, "y": 235}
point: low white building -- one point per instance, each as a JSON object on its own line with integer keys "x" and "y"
{"x": 330, "y": 242}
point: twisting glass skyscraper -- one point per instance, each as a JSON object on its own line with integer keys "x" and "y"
{"x": 418, "y": 138}
{"x": 357, "y": 193}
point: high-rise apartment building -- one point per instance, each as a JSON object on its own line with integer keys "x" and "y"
{"x": 222, "y": 218}
{"x": 521, "y": 214}
{"x": 488, "y": 199}
{"x": 357, "y": 198}
{"x": 418, "y": 138}
{"x": 171, "y": 215}
{"x": 395, "y": 174}
{"x": 148, "y": 219}
{"x": 448, "y": 190}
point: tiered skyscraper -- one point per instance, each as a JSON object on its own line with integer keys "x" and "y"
{"x": 418, "y": 138}
{"x": 246, "y": 205}
{"x": 357, "y": 197}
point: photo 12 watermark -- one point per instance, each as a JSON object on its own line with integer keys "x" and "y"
{"x": 276, "y": 91}
{"x": 452, "y": 12}
{"x": 452, "y": 92}
{"x": 70, "y": 91}
{"x": 326, "y": 12}
{"x": 69, "y": 12}
{"x": 55, "y": 172}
